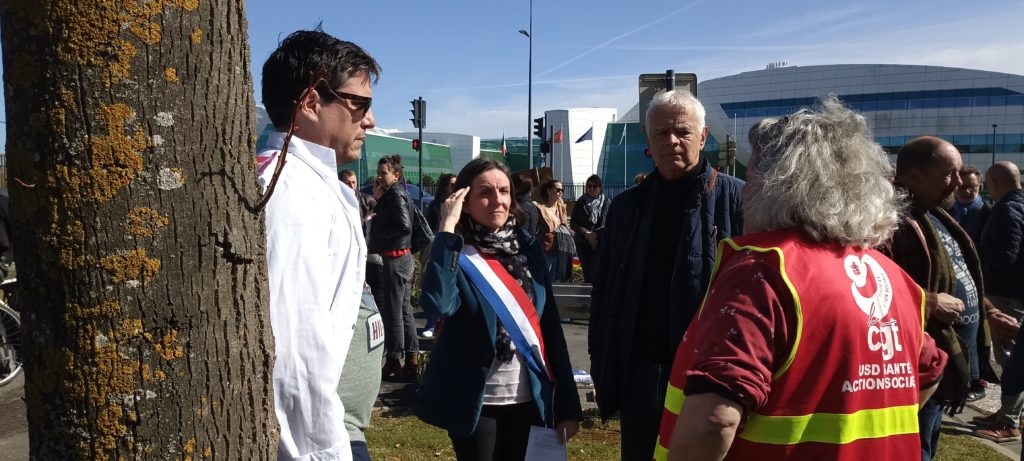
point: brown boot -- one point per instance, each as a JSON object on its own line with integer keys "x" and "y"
{"x": 411, "y": 370}
{"x": 392, "y": 368}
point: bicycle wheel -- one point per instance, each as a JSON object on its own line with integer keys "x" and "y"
{"x": 10, "y": 344}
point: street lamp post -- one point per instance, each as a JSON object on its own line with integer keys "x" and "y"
{"x": 994, "y": 125}
{"x": 529, "y": 90}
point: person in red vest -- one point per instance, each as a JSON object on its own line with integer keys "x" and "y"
{"x": 810, "y": 343}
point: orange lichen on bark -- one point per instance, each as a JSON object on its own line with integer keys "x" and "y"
{"x": 116, "y": 157}
{"x": 67, "y": 99}
{"x": 57, "y": 121}
{"x": 196, "y": 36}
{"x": 171, "y": 75}
{"x": 168, "y": 347}
{"x": 102, "y": 374}
{"x": 67, "y": 236}
{"x": 90, "y": 32}
{"x": 130, "y": 265}
{"x": 144, "y": 222}
{"x": 146, "y": 30}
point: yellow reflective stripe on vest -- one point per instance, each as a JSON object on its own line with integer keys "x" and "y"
{"x": 789, "y": 284}
{"x": 831, "y": 427}
{"x": 674, "y": 398}
{"x": 660, "y": 452}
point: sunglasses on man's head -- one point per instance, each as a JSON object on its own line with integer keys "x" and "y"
{"x": 361, "y": 103}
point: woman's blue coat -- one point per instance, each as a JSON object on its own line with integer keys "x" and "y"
{"x": 452, "y": 392}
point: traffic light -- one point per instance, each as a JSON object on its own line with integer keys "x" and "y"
{"x": 416, "y": 145}
{"x": 545, "y": 147}
{"x": 419, "y": 113}
{"x": 538, "y": 127}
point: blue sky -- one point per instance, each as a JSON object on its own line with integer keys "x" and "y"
{"x": 466, "y": 58}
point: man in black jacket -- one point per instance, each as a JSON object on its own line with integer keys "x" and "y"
{"x": 653, "y": 273}
{"x": 970, "y": 210}
{"x": 1002, "y": 251}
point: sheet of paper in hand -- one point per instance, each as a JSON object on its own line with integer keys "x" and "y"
{"x": 544, "y": 446}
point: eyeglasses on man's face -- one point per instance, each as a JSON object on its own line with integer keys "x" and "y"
{"x": 593, "y": 186}
{"x": 361, "y": 103}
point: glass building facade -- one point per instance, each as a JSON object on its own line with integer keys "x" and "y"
{"x": 980, "y": 112}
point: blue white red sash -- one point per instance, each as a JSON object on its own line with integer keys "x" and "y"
{"x": 512, "y": 305}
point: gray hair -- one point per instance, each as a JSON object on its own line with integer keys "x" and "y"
{"x": 821, "y": 172}
{"x": 680, "y": 99}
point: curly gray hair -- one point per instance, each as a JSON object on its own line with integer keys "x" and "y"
{"x": 821, "y": 172}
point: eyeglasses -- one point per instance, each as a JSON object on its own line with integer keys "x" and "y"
{"x": 559, "y": 190}
{"x": 593, "y": 186}
{"x": 361, "y": 103}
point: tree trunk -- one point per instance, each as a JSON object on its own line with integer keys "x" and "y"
{"x": 140, "y": 262}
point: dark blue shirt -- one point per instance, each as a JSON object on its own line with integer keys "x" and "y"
{"x": 967, "y": 324}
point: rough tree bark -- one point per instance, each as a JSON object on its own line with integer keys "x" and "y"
{"x": 140, "y": 261}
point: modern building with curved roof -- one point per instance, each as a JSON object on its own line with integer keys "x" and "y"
{"x": 980, "y": 112}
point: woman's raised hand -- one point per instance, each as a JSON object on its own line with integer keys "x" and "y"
{"x": 451, "y": 210}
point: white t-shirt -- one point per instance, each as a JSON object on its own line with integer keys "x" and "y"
{"x": 508, "y": 383}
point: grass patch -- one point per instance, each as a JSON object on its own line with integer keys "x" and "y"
{"x": 399, "y": 435}
{"x": 965, "y": 447}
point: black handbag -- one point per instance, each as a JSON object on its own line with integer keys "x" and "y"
{"x": 421, "y": 233}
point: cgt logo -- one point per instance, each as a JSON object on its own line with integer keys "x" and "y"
{"x": 882, "y": 335}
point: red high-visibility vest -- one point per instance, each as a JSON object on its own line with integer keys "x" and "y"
{"x": 848, "y": 388}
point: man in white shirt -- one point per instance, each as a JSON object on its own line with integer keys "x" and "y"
{"x": 316, "y": 253}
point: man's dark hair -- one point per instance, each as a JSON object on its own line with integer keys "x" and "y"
{"x": 345, "y": 173}
{"x": 288, "y": 70}
{"x": 918, "y": 154}
{"x": 970, "y": 169}
{"x": 523, "y": 184}
{"x": 595, "y": 180}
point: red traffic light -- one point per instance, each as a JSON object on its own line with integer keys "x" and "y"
{"x": 416, "y": 144}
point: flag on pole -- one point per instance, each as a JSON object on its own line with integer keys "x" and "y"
{"x": 504, "y": 148}
{"x": 588, "y": 136}
{"x": 557, "y": 137}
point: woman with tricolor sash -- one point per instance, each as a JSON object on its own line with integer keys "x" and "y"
{"x": 501, "y": 365}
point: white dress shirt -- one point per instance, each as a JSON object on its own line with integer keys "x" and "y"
{"x": 316, "y": 259}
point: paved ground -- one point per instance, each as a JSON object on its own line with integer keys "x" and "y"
{"x": 14, "y": 435}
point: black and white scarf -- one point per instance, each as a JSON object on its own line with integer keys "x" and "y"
{"x": 504, "y": 245}
{"x": 594, "y": 207}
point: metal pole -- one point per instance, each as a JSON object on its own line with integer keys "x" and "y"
{"x": 421, "y": 159}
{"x": 529, "y": 93}
{"x": 670, "y": 80}
{"x": 994, "y": 143}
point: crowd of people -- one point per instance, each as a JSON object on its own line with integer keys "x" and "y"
{"x": 831, "y": 306}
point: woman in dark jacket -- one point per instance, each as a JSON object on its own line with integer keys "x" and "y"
{"x": 492, "y": 374}
{"x": 587, "y": 219}
{"x": 391, "y": 238}
{"x": 444, "y": 189}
